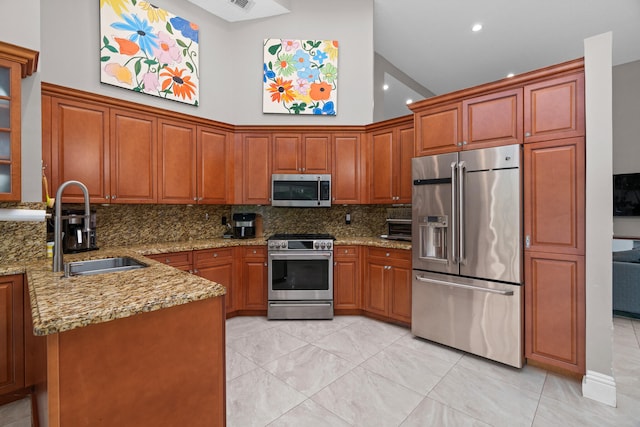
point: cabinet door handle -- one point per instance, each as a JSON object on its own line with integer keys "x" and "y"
{"x": 196, "y": 271}
{"x": 215, "y": 255}
{"x": 265, "y": 263}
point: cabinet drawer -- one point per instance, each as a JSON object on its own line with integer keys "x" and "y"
{"x": 345, "y": 251}
{"x": 173, "y": 258}
{"x": 400, "y": 254}
{"x": 255, "y": 251}
{"x": 212, "y": 256}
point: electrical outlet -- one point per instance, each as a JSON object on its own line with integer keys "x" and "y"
{"x": 347, "y": 218}
{"x": 224, "y": 220}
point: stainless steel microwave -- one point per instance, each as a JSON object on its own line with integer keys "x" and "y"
{"x": 301, "y": 191}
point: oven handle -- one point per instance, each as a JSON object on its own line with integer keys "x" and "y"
{"x": 306, "y": 255}
{"x": 272, "y": 304}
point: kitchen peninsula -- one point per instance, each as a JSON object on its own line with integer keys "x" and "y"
{"x": 123, "y": 348}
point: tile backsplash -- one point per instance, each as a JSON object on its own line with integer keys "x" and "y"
{"x": 123, "y": 225}
{"x": 126, "y": 225}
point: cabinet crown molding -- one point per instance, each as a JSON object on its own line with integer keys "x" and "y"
{"x": 27, "y": 58}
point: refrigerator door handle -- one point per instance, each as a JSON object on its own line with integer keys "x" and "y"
{"x": 454, "y": 217}
{"x": 460, "y": 285}
{"x": 461, "y": 212}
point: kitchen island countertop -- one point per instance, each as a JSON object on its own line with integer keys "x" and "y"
{"x": 60, "y": 304}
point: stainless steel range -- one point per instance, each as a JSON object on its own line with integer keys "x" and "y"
{"x": 300, "y": 276}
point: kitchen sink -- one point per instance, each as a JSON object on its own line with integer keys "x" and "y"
{"x": 101, "y": 266}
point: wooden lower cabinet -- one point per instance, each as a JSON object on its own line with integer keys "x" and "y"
{"x": 217, "y": 265}
{"x": 387, "y": 284}
{"x": 555, "y": 310}
{"x": 180, "y": 260}
{"x": 346, "y": 279}
{"x": 11, "y": 334}
{"x": 164, "y": 367}
{"x": 254, "y": 278}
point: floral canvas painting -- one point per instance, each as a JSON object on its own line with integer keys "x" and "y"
{"x": 149, "y": 50}
{"x": 300, "y": 76}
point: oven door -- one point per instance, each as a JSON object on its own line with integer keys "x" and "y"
{"x": 300, "y": 275}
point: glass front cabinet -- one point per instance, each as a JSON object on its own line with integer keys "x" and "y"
{"x": 15, "y": 63}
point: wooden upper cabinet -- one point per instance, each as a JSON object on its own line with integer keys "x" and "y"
{"x": 80, "y": 149}
{"x": 492, "y": 120}
{"x": 253, "y": 179}
{"x": 382, "y": 167}
{"x": 438, "y": 129}
{"x": 406, "y": 144}
{"x": 214, "y": 169}
{"x": 133, "y": 157}
{"x": 286, "y": 153}
{"x": 12, "y": 370}
{"x": 176, "y": 162}
{"x": 555, "y": 310}
{"x": 316, "y": 154}
{"x": 10, "y": 130}
{"x": 347, "y": 177}
{"x": 391, "y": 151}
{"x": 301, "y": 153}
{"x": 554, "y": 196}
{"x": 554, "y": 108}
{"x": 16, "y": 62}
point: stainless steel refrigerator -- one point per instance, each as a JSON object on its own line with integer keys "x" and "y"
{"x": 467, "y": 251}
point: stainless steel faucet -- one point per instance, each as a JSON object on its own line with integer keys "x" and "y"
{"x": 58, "y": 263}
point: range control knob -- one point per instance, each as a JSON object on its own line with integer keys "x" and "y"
{"x": 328, "y": 245}
{"x": 316, "y": 245}
{"x": 283, "y": 245}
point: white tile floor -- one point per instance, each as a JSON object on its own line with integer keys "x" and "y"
{"x": 358, "y": 371}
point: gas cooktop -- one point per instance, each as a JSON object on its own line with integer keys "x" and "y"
{"x": 302, "y": 236}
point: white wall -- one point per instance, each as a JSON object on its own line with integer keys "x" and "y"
{"x": 230, "y": 57}
{"x": 20, "y": 25}
{"x": 349, "y": 22}
{"x": 626, "y": 135}
{"x": 598, "y": 383}
{"x": 70, "y": 55}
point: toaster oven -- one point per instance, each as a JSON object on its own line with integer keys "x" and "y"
{"x": 398, "y": 229}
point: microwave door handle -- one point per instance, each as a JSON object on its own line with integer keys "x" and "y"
{"x": 461, "y": 214}
{"x": 453, "y": 220}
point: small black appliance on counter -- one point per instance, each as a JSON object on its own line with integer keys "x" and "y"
{"x": 74, "y": 240}
{"x": 244, "y": 225}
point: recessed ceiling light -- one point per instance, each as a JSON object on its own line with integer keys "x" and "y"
{"x": 476, "y": 28}
{"x": 510, "y": 75}
{"x": 409, "y": 101}
{"x": 385, "y": 86}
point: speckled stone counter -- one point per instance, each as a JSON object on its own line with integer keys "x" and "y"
{"x": 59, "y": 304}
{"x": 373, "y": 241}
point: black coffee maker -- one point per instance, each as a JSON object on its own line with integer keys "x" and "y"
{"x": 74, "y": 239}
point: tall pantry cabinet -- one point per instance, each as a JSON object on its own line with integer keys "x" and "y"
{"x": 554, "y": 224}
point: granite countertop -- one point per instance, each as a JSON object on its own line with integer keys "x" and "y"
{"x": 159, "y": 248}
{"x": 60, "y": 304}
